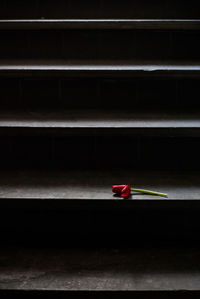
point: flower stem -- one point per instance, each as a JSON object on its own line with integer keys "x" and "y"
{"x": 149, "y": 192}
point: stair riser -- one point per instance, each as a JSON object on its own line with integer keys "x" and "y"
{"x": 82, "y": 152}
{"x": 128, "y": 227}
{"x": 99, "y": 295}
{"x": 152, "y": 94}
{"x": 100, "y": 44}
{"x": 99, "y": 9}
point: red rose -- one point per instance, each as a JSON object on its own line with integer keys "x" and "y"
{"x": 125, "y": 191}
{"x": 122, "y": 190}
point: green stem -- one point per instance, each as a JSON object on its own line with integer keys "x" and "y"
{"x": 149, "y": 192}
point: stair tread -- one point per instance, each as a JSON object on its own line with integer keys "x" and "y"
{"x": 98, "y": 68}
{"x": 178, "y": 24}
{"x": 98, "y": 119}
{"x": 98, "y": 65}
{"x": 95, "y": 185}
{"x": 140, "y": 269}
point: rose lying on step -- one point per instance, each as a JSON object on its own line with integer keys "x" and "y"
{"x": 125, "y": 191}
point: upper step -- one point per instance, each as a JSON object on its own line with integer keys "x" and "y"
{"x": 111, "y": 68}
{"x": 157, "y": 24}
{"x": 94, "y": 122}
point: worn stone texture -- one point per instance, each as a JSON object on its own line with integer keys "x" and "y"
{"x": 96, "y": 184}
{"x": 103, "y": 269}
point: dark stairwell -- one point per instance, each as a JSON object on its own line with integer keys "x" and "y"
{"x": 95, "y": 93}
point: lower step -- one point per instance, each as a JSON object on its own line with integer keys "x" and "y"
{"x": 173, "y": 270}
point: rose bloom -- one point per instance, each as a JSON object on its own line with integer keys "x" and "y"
{"x": 122, "y": 190}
